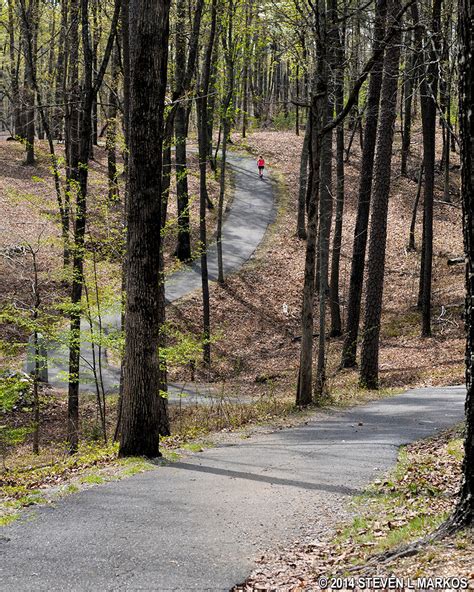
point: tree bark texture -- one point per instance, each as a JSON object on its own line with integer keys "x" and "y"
{"x": 304, "y": 394}
{"x": 149, "y": 32}
{"x": 378, "y": 228}
{"x": 336, "y": 324}
{"x": 300, "y": 225}
{"x": 80, "y": 176}
{"x": 428, "y": 90}
{"x": 202, "y": 109}
{"x": 464, "y": 513}
{"x": 183, "y": 250}
{"x": 365, "y": 188}
{"x": 318, "y": 115}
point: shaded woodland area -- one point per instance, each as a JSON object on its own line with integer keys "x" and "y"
{"x": 117, "y": 121}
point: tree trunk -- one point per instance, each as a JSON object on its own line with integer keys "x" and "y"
{"x": 184, "y": 73}
{"x": 378, "y": 228}
{"x": 81, "y": 173}
{"x": 318, "y": 115}
{"x": 202, "y": 109}
{"x": 30, "y": 29}
{"x": 111, "y": 139}
{"x": 300, "y": 226}
{"x": 72, "y": 176}
{"x": 228, "y": 45}
{"x": 446, "y": 162}
{"x": 211, "y": 104}
{"x": 220, "y": 205}
{"x": 331, "y": 43}
{"x": 61, "y": 76}
{"x": 428, "y": 89}
{"x": 304, "y": 394}
{"x": 72, "y": 113}
{"x": 363, "y": 207}
{"x": 464, "y": 512}
{"x": 125, "y": 46}
{"x": 336, "y": 325}
{"x": 183, "y": 250}
{"x": 325, "y": 218}
{"x": 297, "y": 109}
{"x": 14, "y": 73}
{"x": 409, "y": 85}
{"x": 164, "y": 428}
{"x": 411, "y": 242}
{"x": 79, "y": 238}
{"x": 245, "y": 76}
{"x": 149, "y": 32}
{"x": 95, "y": 39}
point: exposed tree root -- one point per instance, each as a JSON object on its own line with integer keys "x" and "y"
{"x": 460, "y": 519}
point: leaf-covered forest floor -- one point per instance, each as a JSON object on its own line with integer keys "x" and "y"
{"x": 257, "y": 336}
{"x": 30, "y": 216}
{"x": 410, "y": 502}
{"x": 255, "y": 317}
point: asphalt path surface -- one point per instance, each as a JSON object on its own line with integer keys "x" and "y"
{"x": 199, "y": 523}
{"x": 246, "y": 221}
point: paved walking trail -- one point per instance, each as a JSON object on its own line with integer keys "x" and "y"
{"x": 199, "y": 524}
{"x": 252, "y": 210}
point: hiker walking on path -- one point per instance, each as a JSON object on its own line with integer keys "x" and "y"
{"x": 261, "y": 166}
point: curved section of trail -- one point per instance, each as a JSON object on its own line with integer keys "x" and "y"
{"x": 251, "y": 211}
{"x": 200, "y": 523}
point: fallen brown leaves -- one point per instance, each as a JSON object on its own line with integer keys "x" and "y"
{"x": 30, "y": 215}
{"x": 256, "y": 315}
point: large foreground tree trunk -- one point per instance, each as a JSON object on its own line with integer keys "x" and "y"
{"x": 149, "y": 32}
{"x": 463, "y": 515}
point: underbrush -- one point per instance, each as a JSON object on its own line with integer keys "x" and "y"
{"x": 416, "y": 497}
{"x": 53, "y": 475}
{"x": 25, "y": 475}
{"x": 28, "y": 479}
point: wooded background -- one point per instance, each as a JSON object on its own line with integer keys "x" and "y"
{"x": 137, "y": 81}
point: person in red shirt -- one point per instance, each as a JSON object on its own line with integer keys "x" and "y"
{"x": 261, "y": 166}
